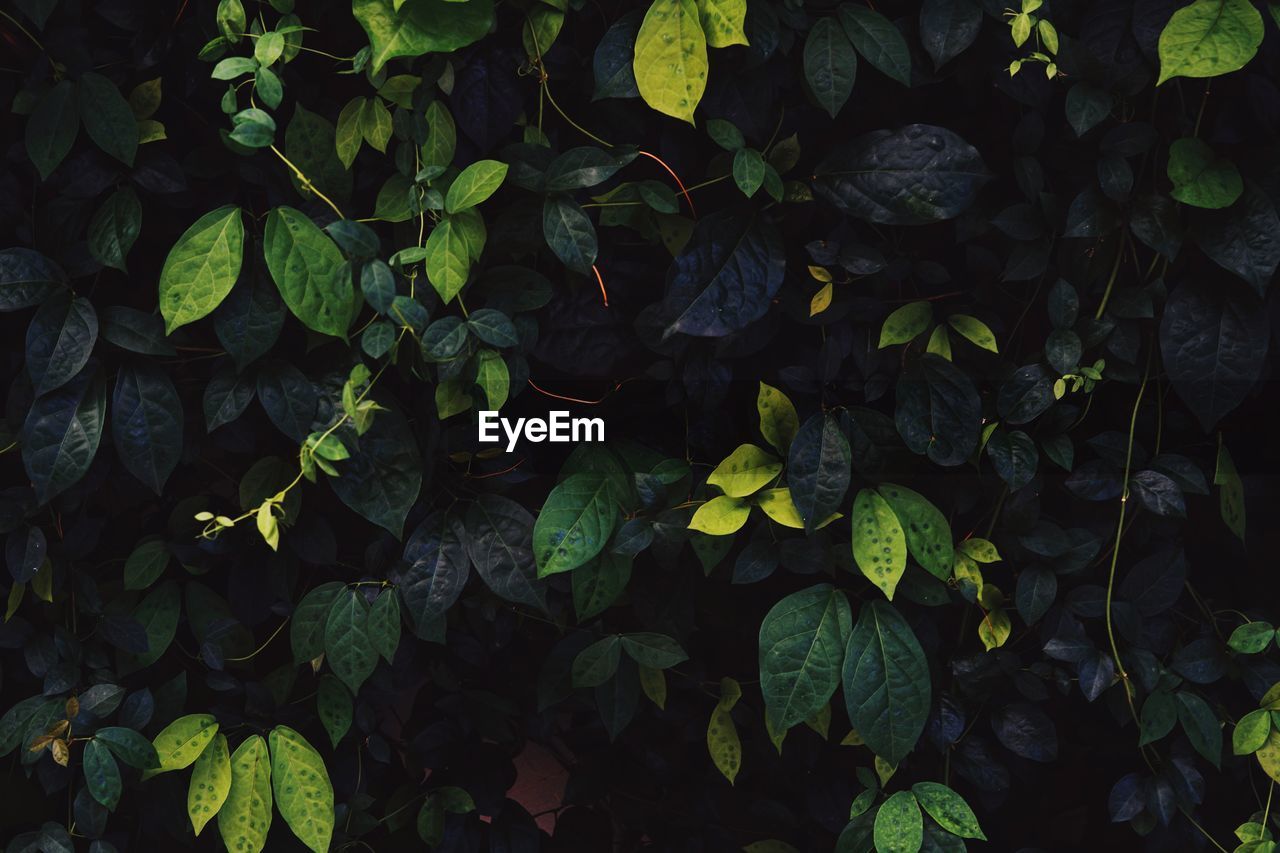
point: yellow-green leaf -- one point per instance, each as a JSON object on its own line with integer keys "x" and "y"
{"x": 1269, "y": 755}
{"x": 745, "y": 471}
{"x": 778, "y": 419}
{"x": 210, "y": 782}
{"x": 720, "y": 516}
{"x": 905, "y": 323}
{"x": 182, "y": 741}
{"x": 475, "y": 184}
{"x": 974, "y": 330}
{"x": 302, "y": 788}
{"x": 821, "y": 300}
{"x": 779, "y": 506}
{"x": 671, "y": 58}
{"x": 722, "y": 737}
{"x": 245, "y": 817}
{"x": 1208, "y": 38}
{"x": 722, "y": 21}
{"x": 653, "y": 682}
{"x": 879, "y": 545}
{"x": 201, "y": 267}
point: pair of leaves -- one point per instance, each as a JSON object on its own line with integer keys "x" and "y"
{"x": 809, "y": 645}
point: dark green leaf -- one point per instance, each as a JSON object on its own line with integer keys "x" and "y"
{"x": 830, "y": 64}
{"x": 146, "y": 423}
{"x": 61, "y": 433}
{"x": 60, "y": 340}
{"x": 51, "y": 129}
{"x": 107, "y": 117}
{"x": 886, "y": 682}
{"x": 569, "y": 233}
{"x": 347, "y": 646}
{"x": 802, "y": 642}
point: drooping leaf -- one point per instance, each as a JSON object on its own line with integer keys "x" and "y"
{"x": 51, "y": 129}
{"x": 245, "y": 817}
{"x": 818, "y": 469}
{"x": 886, "y": 682}
{"x": 147, "y": 423}
{"x": 938, "y": 411}
{"x": 723, "y": 742}
{"x": 569, "y": 232}
{"x": 948, "y": 28}
{"x": 879, "y": 545}
{"x": 210, "y": 783}
{"x": 107, "y": 117}
{"x": 61, "y": 433}
{"x": 115, "y": 228}
{"x": 1214, "y": 342}
{"x": 830, "y": 64}
{"x": 801, "y": 649}
{"x": 60, "y": 340}
{"x": 303, "y": 792}
{"x": 347, "y": 647}
{"x": 670, "y": 62}
{"x": 102, "y": 774}
{"x": 382, "y": 478}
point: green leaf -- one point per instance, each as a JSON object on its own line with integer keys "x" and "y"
{"x": 1251, "y": 638}
{"x": 657, "y": 651}
{"x": 878, "y": 40}
{"x": 51, "y": 129}
{"x": 474, "y": 184}
{"x": 598, "y": 583}
{"x": 748, "y": 170}
{"x": 778, "y": 419}
{"x": 671, "y": 58}
{"x": 27, "y": 278}
{"x": 158, "y": 615}
{"x": 906, "y": 323}
{"x": 145, "y": 564}
{"x": 575, "y": 523}
{"x": 442, "y": 136}
{"x": 302, "y": 788}
{"x": 181, "y": 742}
{"x": 899, "y": 826}
{"x": 745, "y": 471}
{"x": 879, "y": 546}
{"x": 1230, "y": 491}
{"x": 1251, "y": 732}
{"x": 597, "y": 663}
{"x": 309, "y": 271}
{"x": 210, "y": 783}
{"x": 830, "y": 65}
{"x": 722, "y": 737}
{"x": 569, "y": 232}
{"x": 307, "y": 628}
{"x": 60, "y": 340}
{"x": 129, "y": 746}
{"x": 334, "y": 707}
{"x": 384, "y": 624}
{"x": 102, "y": 774}
{"x": 722, "y": 21}
{"x": 493, "y": 377}
{"x": 886, "y": 682}
{"x": 801, "y": 648}
{"x": 1201, "y": 725}
{"x": 928, "y": 533}
{"x": 448, "y": 259}
{"x": 147, "y": 423}
{"x": 61, "y": 433}
{"x": 346, "y": 640}
{"x": 974, "y": 330}
{"x": 245, "y": 817}
{"x": 310, "y": 141}
{"x": 414, "y": 27}
{"x": 107, "y": 117}
{"x": 201, "y": 267}
{"x": 1201, "y": 178}
{"x": 1208, "y": 38}
{"x": 115, "y": 228}
{"x": 948, "y": 809}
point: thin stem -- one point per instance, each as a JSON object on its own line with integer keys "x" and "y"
{"x": 1115, "y": 551}
{"x": 306, "y": 182}
{"x": 255, "y": 652}
{"x": 1111, "y": 281}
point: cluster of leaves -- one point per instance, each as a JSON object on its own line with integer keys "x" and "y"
{"x": 930, "y": 386}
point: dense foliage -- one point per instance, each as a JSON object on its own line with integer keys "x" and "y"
{"x": 929, "y": 339}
